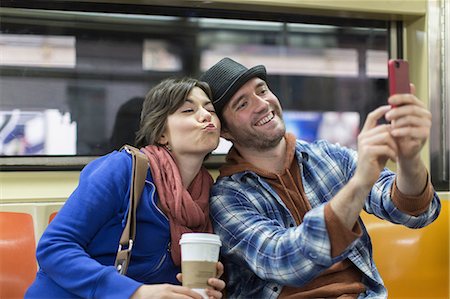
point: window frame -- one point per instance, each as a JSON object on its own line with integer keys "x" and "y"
{"x": 77, "y": 162}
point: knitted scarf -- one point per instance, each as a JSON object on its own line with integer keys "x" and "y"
{"x": 187, "y": 209}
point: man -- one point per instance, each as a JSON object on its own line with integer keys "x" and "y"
{"x": 288, "y": 211}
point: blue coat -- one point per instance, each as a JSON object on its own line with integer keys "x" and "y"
{"x": 77, "y": 251}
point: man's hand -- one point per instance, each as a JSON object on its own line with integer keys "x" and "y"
{"x": 400, "y": 141}
{"x": 375, "y": 147}
{"x": 410, "y": 124}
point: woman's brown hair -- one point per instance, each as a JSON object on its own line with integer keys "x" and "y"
{"x": 160, "y": 102}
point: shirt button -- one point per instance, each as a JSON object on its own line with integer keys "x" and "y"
{"x": 275, "y": 289}
{"x": 291, "y": 225}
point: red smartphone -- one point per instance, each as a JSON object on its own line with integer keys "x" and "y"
{"x": 398, "y": 74}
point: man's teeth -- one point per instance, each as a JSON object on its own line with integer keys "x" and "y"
{"x": 265, "y": 120}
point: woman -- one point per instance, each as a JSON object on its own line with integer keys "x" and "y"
{"x": 77, "y": 251}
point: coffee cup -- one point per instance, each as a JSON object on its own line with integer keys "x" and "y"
{"x": 199, "y": 257}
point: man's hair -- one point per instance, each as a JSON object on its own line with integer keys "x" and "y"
{"x": 160, "y": 102}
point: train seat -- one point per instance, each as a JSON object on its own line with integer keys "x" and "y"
{"x": 17, "y": 254}
{"x": 412, "y": 262}
{"x": 52, "y": 216}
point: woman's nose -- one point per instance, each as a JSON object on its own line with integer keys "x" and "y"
{"x": 205, "y": 115}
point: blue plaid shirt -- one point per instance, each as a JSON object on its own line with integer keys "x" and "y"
{"x": 263, "y": 249}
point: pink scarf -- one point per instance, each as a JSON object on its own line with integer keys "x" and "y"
{"x": 187, "y": 209}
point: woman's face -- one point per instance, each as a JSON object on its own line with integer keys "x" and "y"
{"x": 193, "y": 129}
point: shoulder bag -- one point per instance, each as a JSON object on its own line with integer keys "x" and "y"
{"x": 138, "y": 175}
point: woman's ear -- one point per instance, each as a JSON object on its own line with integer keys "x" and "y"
{"x": 163, "y": 139}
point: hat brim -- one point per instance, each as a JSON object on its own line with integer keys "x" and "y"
{"x": 256, "y": 71}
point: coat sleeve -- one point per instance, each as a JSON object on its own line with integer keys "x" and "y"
{"x": 62, "y": 253}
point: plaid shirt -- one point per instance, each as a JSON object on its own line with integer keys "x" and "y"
{"x": 263, "y": 249}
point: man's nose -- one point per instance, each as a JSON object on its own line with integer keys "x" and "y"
{"x": 260, "y": 103}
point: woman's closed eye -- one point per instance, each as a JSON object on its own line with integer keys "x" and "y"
{"x": 190, "y": 110}
{"x": 210, "y": 108}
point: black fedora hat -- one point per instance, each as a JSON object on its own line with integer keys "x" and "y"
{"x": 226, "y": 77}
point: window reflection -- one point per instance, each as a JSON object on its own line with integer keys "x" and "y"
{"x": 289, "y": 60}
{"x": 157, "y": 56}
{"x": 37, "y": 50}
{"x": 91, "y": 68}
{"x": 47, "y": 132}
{"x": 336, "y": 127}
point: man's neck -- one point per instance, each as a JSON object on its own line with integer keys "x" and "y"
{"x": 271, "y": 160}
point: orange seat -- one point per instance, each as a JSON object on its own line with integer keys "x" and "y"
{"x": 414, "y": 263}
{"x": 17, "y": 254}
{"x": 52, "y": 215}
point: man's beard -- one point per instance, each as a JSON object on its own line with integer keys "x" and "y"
{"x": 263, "y": 144}
{"x": 258, "y": 140}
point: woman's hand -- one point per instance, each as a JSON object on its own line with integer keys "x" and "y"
{"x": 217, "y": 283}
{"x": 164, "y": 291}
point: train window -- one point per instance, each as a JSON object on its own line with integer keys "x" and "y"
{"x": 76, "y": 74}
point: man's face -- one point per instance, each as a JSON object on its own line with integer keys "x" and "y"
{"x": 253, "y": 117}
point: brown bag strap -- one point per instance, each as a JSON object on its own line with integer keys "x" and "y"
{"x": 138, "y": 175}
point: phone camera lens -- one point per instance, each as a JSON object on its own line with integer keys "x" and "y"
{"x": 397, "y": 64}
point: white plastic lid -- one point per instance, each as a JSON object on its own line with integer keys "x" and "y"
{"x": 203, "y": 238}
